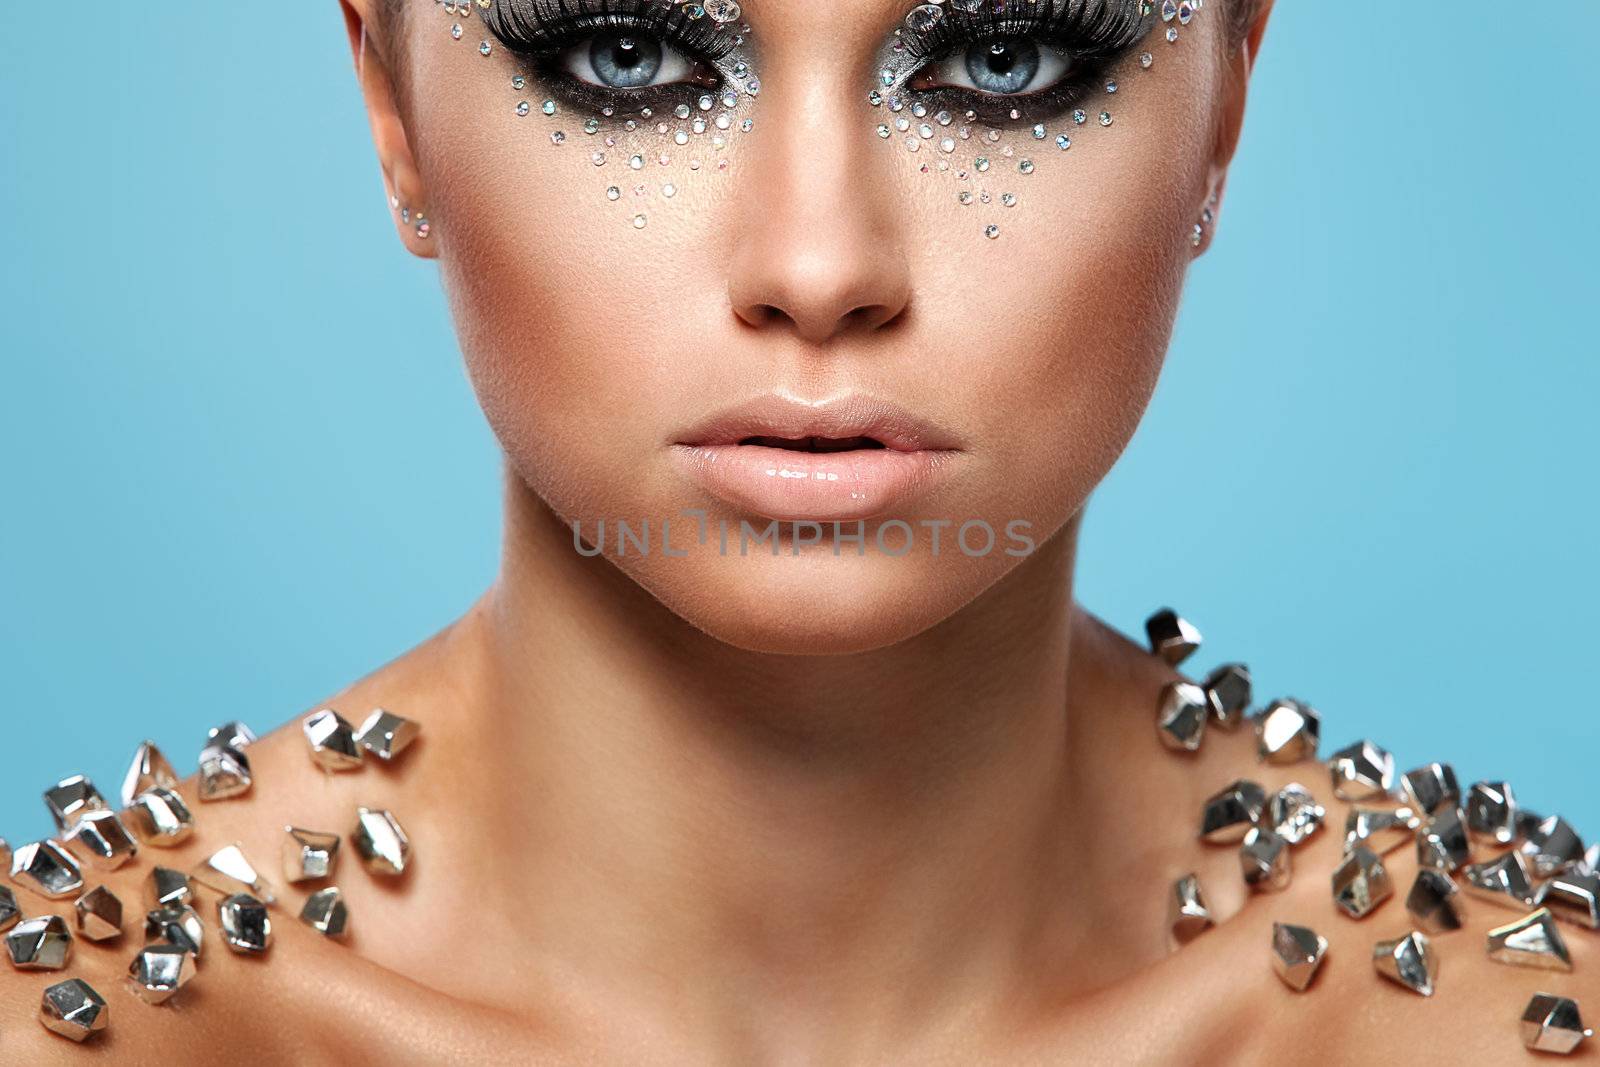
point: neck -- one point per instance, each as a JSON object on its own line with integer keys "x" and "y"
{"x": 694, "y": 807}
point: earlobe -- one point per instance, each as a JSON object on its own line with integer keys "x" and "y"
{"x": 404, "y": 188}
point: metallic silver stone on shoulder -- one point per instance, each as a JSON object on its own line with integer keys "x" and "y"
{"x": 1229, "y": 813}
{"x": 381, "y": 841}
{"x": 1435, "y": 901}
{"x": 70, "y": 798}
{"x": 1492, "y": 812}
{"x": 46, "y": 868}
{"x": 159, "y": 971}
{"x": 1504, "y": 880}
{"x": 1430, "y": 789}
{"x": 1361, "y": 771}
{"x": 235, "y": 735}
{"x": 1572, "y": 894}
{"x": 99, "y": 914}
{"x": 246, "y": 926}
{"x": 10, "y": 913}
{"x": 160, "y": 818}
{"x": 1552, "y": 1024}
{"x": 1591, "y": 858}
{"x": 1264, "y": 860}
{"x": 1287, "y": 731}
{"x": 1551, "y": 845}
{"x": 1361, "y": 882}
{"x": 326, "y": 913}
{"x": 149, "y": 770}
{"x": 99, "y": 839}
{"x": 40, "y": 944}
{"x": 1408, "y": 960}
{"x": 1381, "y": 829}
{"x": 332, "y": 741}
{"x": 228, "y": 871}
{"x": 73, "y": 1009}
{"x": 386, "y": 735}
{"x": 308, "y": 855}
{"x": 1297, "y": 953}
{"x": 1442, "y": 842}
{"x": 1181, "y": 717}
{"x": 1171, "y": 636}
{"x": 1531, "y": 941}
{"x": 177, "y": 924}
{"x": 1228, "y": 691}
{"x": 169, "y": 888}
{"x": 224, "y": 773}
{"x": 1294, "y": 814}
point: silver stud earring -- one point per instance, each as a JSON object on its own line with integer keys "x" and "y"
{"x": 1207, "y": 217}
{"x": 407, "y": 216}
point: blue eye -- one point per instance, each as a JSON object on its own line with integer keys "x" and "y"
{"x": 1007, "y": 67}
{"x": 626, "y": 59}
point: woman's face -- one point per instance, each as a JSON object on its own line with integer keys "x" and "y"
{"x": 904, "y": 270}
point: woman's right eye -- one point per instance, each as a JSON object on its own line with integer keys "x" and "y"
{"x": 627, "y": 59}
{"x": 1010, "y": 67}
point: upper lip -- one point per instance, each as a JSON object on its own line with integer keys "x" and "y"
{"x": 835, "y": 418}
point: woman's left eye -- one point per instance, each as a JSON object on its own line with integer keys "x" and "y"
{"x": 1009, "y": 67}
{"x": 626, "y": 59}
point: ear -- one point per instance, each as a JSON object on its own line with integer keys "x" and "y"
{"x": 405, "y": 195}
{"x": 1239, "y": 61}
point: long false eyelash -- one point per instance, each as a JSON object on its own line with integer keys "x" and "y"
{"x": 1090, "y": 29}
{"x": 543, "y": 27}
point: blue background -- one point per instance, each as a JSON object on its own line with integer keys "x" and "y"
{"x": 243, "y": 465}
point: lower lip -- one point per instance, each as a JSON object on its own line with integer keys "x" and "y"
{"x": 813, "y": 486}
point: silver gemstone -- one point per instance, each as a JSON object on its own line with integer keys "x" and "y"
{"x": 1408, "y": 960}
{"x": 73, "y": 1009}
{"x": 40, "y": 944}
{"x": 1181, "y": 718}
{"x": 10, "y": 912}
{"x": 1551, "y": 845}
{"x": 1572, "y": 894}
{"x": 246, "y": 926}
{"x": 1361, "y": 882}
{"x": 1264, "y": 860}
{"x": 1171, "y": 636}
{"x": 1531, "y": 941}
{"x": 326, "y": 913}
{"x": 1435, "y": 901}
{"x": 1431, "y": 789}
{"x": 176, "y": 925}
{"x": 45, "y": 868}
{"x": 308, "y": 855}
{"x": 1229, "y": 813}
{"x": 381, "y": 841}
{"x": 149, "y": 770}
{"x": 159, "y": 971}
{"x": 1297, "y": 953}
{"x": 70, "y": 798}
{"x": 385, "y": 734}
{"x": 99, "y": 839}
{"x": 169, "y": 887}
{"x": 1591, "y": 858}
{"x": 99, "y": 914}
{"x": 1552, "y": 1024}
{"x": 224, "y": 773}
{"x": 1492, "y": 811}
{"x": 1505, "y": 880}
{"x": 1381, "y": 829}
{"x": 1228, "y": 693}
{"x": 1442, "y": 843}
{"x": 228, "y": 871}
{"x": 332, "y": 741}
{"x": 1294, "y": 813}
{"x": 1361, "y": 771}
{"x": 160, "y": 818}
{"x": 722, "y": 10}
{"x": 235, "y": 735}
{"x": 923, "y": 17}
{"x": 1287, "y": 731}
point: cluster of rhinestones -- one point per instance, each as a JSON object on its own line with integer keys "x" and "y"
{"x": 1537, "y": 867}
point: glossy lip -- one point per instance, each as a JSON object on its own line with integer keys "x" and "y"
{"x": 779, "y": 483}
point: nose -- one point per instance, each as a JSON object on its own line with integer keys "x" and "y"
{"x": 820, "y": 251}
